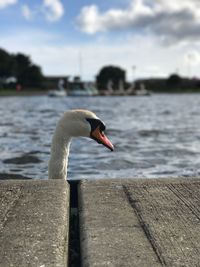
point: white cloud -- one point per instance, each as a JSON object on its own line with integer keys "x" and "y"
{"x": 26, "y": 12}
{"x": 54, "y": 9}
{"x": 172, "y": 21}
{"x": 5, "y": 3}
{"x": 89, "y": 20}
{"x": 150, "y": 58}
{"x": 192, "y": 58}
{"x": 51, "y": 10}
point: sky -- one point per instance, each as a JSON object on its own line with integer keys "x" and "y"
{"x": 147, "y": 38}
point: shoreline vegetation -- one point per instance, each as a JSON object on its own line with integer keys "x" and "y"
{"x": 25, "y": 92}
{"x": 36, "y": 92}
{"x": 11, "y": 92}
{"x": 19, "y": 76}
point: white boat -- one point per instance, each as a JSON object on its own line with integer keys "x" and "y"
{"x": 57, "y": 93}
{"x": 60, "y": 92}
{"x": 83, "y": 89}
{"x": 141, "y": 91}
{"x": 79, "y": 92}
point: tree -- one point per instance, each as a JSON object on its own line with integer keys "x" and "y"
{"x": 21, "y": 67}
{"x": 22, "y": 63}
{"x": 6, "y": 64}
{"x": 174, "y": 81}
{"x": 28, "y": 74}
{"x": 109, "y": 73}
{"x": 31, "y": 77}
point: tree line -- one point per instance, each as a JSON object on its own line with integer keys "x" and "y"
{"x": 18, "y": 65}
{"x": 173, "y": 83}
{"x": 29, "y": 75}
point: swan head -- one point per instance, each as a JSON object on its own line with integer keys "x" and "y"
{"x": 85, "y": 123}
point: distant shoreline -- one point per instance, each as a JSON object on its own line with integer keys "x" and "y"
{"x": 25, "y": 92}
{"x": 37, "y": 92}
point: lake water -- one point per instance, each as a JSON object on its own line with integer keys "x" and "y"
{"x": 156, "y": 136}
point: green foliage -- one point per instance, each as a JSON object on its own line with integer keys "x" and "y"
{"x": 110, "y": 73}
{"x": 174, "y": 81}
{"x": 21, "y": 67}
{"x": 6, "y": 64}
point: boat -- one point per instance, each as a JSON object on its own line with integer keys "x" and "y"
{"x": 60, "y": 91}
{"x": 79, "y": 92}
{"x": 57, "y": 93}
{"x": 142, "y": 91}
{"x": 82, "y": 89}
{"x": 138, "y": 91}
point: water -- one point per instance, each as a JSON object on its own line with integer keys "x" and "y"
{"x": 157, "y": 136}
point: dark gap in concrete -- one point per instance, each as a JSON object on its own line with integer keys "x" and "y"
{"x": 74, "y": 235}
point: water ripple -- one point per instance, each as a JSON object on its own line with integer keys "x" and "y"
{"x": 155, "y": 136}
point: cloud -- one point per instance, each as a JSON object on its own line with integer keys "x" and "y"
{"x": 172, "y": 21}
{"x": 192, "y": 58}
{"x": 55, "y": 58}
{"x": 5, "y": 3}
{"x": 53, "y": 10}
{"x": 26, "y": 12}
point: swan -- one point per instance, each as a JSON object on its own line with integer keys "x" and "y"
{"x": 73, "y": 123}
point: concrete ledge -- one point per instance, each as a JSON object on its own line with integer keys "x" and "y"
{"x": 34, "y": 226}
{"x": 140, "y": 223}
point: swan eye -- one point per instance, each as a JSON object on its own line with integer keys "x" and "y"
{"x": 94, "y": 123}
{"x": 102, "y": 127}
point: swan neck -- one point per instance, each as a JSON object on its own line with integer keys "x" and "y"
{"x": 59, "y": 156}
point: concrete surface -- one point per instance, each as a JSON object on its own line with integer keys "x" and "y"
{"x": 34, "y": 223}
{"x": 140, "y": 223}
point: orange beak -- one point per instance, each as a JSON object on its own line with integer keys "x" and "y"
{"x": 101, "y": 138}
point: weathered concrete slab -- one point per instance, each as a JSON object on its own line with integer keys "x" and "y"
{"x": 34, "y": 223}
{"x": 140, "y": 222}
